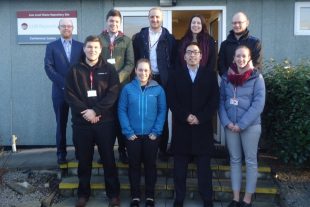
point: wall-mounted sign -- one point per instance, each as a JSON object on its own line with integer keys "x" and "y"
{"x": 41, "y": 27}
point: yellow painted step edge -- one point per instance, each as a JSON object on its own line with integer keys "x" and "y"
{"x": 167, "y": 166}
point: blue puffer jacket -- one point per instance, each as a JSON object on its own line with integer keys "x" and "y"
{"x": 251, "y": 101}
{"x": 142, "y": 112}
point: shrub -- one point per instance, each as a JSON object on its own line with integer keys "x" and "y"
{"x": 286, "y": 117}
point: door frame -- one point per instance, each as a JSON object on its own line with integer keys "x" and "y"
{"x": 167, "y": 15}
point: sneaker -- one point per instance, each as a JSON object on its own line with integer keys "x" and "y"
{"x": 114, "y": 202}
{"x": 81, "y": 202}
{"x": 135, "y": 202}
{"x": 149, "y": 202}
{"x": 244, "y": 204}
{"x": 234, "y": 203}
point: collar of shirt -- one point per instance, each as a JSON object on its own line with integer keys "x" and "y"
{"x": 113, "y": 36}
{"x": 66, "y": 40}
{"x": 192, "y": 72}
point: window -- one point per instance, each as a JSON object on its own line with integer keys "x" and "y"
{"x": 302, "y": 18}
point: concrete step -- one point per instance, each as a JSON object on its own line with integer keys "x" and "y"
{"x": 167, "y": 166}
{"x": 125, "y": 201}
{"x": 266, "y": 189}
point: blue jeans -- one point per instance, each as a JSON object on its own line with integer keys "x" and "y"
{"x": 246, "y": 141}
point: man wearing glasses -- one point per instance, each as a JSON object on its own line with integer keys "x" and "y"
{"x": 60, "y": 55}
{"x": 239, "y": 35}
{"x": 193, "y": 96}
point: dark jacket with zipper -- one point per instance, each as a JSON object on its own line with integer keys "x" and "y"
{"x": 228, "y": 47}
{"x": 105, "y": 82}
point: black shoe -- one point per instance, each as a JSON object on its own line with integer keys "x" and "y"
{"x": 149, "y": 202}
{"x": 81, "y": 202}
{"x": 135, "y": 202}
{"x": 234, "y": 203}
{"x": 123, "y": 157}
{"x": 177, "y": 204}
{"x": 244, "y": 204}
{"x": 163, "y": 156}
{"x": 207, "y": 204}
{"x": 114, "y": 202}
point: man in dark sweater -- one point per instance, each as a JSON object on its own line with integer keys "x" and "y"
{"x": 92, "y": 87}
{"x": 239, "y": 35}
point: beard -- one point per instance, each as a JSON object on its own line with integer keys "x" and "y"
{"x": 240, "y": 33}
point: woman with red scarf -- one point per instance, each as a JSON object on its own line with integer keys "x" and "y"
{"x": 242, "y": 100}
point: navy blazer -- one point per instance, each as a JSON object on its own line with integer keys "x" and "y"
{"x": 57, "y": 65}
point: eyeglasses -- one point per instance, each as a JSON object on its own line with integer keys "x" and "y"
{"x": 190, "y": 52}
{"x": 65, "y": 26}
{"x": 235, "y": 23}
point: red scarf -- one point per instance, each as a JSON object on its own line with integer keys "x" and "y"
{"x": 236, "y": 78}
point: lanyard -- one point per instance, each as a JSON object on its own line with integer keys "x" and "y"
{"x": 235, "y": 92}
{"x": 111, "y": 48}
{"x": 91, "y": 77}
{"x": 150, "y": 44}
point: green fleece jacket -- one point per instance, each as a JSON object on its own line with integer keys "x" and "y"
{"x": 122, "y": 52}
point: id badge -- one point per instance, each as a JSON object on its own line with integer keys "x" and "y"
{"x": 91, "y": 93}
{"x": 111, "y": 60}
{"x": 234, "y": 101}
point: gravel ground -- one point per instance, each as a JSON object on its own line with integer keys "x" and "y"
{"x": 42, "y": 181}
{"x": 294, "y": 186}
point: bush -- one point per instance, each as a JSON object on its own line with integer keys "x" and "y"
{"x": 286, "y": 118}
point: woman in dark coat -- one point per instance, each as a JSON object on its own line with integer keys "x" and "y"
{"x": 193, "y": 96}
{"x": 197, "y": 32}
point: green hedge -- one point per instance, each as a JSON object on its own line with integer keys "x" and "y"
{"x": 286, "y": 117}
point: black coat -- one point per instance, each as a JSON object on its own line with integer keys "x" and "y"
{"x": 200, "y": 99}
{"x": 166, "y": 51}
{"x": 228, "y": 47}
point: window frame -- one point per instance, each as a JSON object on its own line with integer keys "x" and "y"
{"x": 297, "y": 30}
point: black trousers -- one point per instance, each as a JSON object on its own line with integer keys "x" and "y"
{"x": 61, "y": 109}
{"x": 142, "y": 150}
{"x": 120, "y": 137}
{"x": 103, "y": 135}
{"x": 204, "y": 175}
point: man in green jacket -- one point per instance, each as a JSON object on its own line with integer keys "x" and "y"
{"x": 117, "y": 50}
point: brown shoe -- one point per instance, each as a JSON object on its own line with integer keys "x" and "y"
{"x": 81, "y": 202}
{"x": 114, "y": 202}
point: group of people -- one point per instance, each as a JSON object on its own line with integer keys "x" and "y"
{"x": 94, "y": 79}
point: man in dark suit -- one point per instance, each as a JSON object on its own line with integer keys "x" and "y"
{"x": 60, "y": 55}
{"x": 193, "y": 96}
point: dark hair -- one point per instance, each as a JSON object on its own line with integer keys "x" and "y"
{"x": 192, "y": 43}
{"x": 92, "y": 38}
{"x": 245, "y": 47}
{"x": 113, "y": 13}
{"x": 202, "y": 38}
{"x": 144, "y": 60}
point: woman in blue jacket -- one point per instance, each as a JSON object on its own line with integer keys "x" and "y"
{"x": 242, "y": 100}
{"x": 142, "y": 110}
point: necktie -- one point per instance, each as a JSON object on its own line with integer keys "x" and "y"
{"x": 68, "y": 49}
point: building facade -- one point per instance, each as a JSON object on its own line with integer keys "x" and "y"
{"x": 25, "y": 103}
